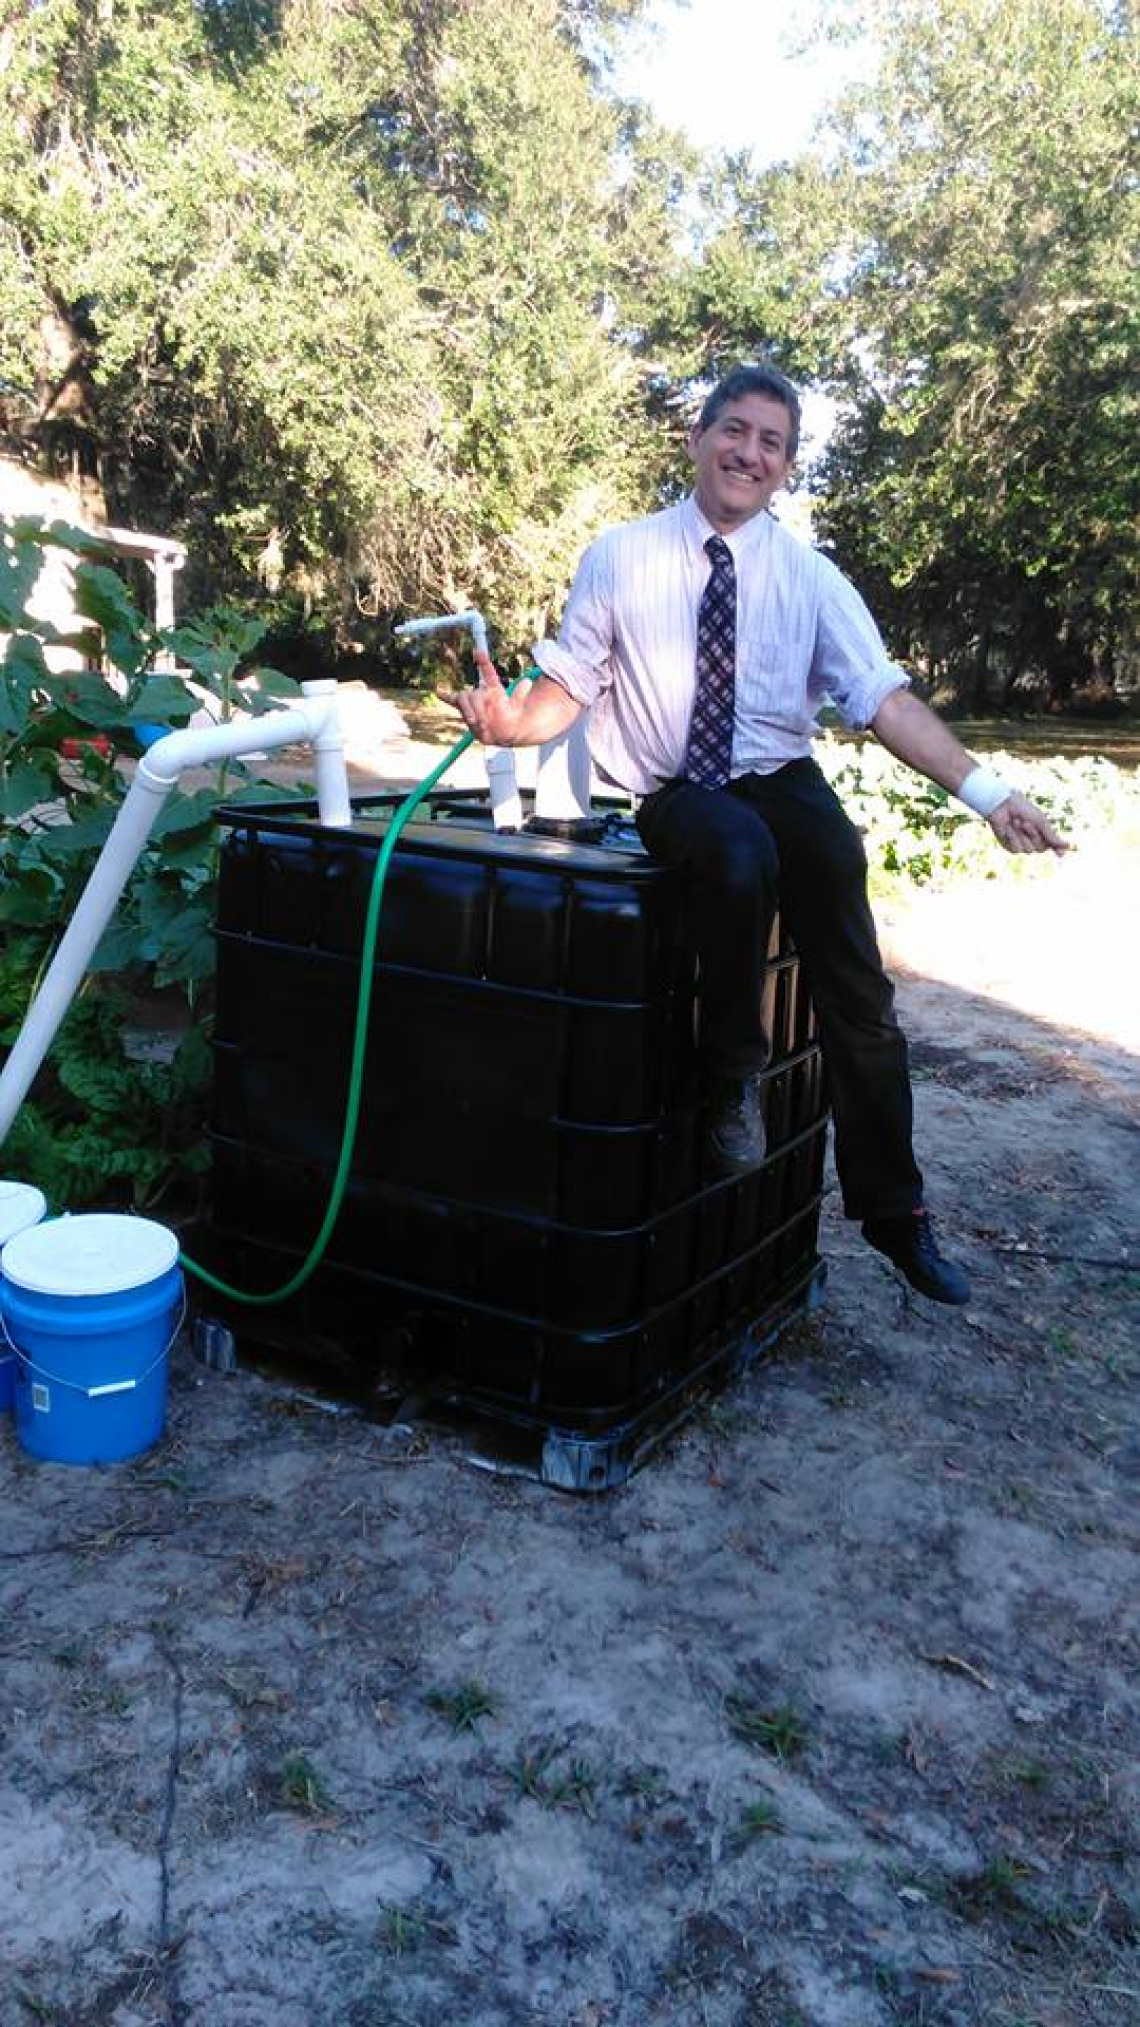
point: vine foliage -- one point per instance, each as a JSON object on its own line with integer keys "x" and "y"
{"x": 118, "y": 1111}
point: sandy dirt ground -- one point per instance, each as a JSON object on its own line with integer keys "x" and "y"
{"x": 828, "y": 1718}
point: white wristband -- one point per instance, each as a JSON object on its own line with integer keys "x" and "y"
{"x": 983, "y": 791}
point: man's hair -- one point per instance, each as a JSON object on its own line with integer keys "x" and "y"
{"x": 755, "y": 380}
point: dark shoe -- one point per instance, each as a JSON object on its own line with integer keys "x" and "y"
{"x": 736, "y": 1126}
{"x": 911, "y": 1244}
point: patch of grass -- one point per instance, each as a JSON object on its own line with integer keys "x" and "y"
{"x": 725, "y": 1420}
{"x": 885, "y": 1979}
{"x": 105, "y": 1699}
{"x": 535, "y": 1776}
{"x": 302, "y": 1787}
{"x": 1023, "y": 1771}
{"x": 581, "y": 1787}
{"x": 250, "y": 1690}
{"x": 401, "y": 1930}
{"x": 998, "y": 1892}
{"x": 911, "y": 1885}
{"x": 782, "y": 1731}
{"x": 464, "y": 1706}
{"x": 646, "y": 1784}
{"x": 1018, "y": 1499}
{"x": 37, "y": 2009}
{"x": 529, "y": 1774}
{"x": 761, "y": 1819}
{"x": 839, "y": 1398}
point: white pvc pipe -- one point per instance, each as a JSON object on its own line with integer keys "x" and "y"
{"x": 502, "y": 780}
{"x": 334, "y": 806}
{"x": 314, "y": 720}
{"x": 472, "y": 620}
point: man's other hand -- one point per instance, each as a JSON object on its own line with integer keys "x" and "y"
{"x": 1020, "y": 826}
{"x": 489, "y": 711}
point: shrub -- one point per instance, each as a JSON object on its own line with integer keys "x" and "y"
{"x": 108, "y": 1118}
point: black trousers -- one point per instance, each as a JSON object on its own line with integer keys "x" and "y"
{"x": 784, "y": 840}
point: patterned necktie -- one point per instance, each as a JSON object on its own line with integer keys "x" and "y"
{"x": 709, "y": 756}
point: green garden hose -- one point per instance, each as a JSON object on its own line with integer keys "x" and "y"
{"x": 316, "y": 1251}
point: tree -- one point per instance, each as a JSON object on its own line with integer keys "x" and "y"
{"x": 984, "y": 305}
{"x": 332, "y": 280}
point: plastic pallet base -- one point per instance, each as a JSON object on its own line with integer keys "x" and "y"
{"x": 509, "y": 1443}
{"x": 574, "y": 1463}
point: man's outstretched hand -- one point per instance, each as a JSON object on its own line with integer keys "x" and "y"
{"x": 1020, "y": 826}
{"x": 489, "y": 711}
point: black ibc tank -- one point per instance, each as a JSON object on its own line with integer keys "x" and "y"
{"x": 529, "y": 1233}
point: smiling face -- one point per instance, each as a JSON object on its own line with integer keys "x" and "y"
{"x": 741, "y": 459}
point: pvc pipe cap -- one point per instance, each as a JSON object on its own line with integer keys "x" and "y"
{"x": 20, "y": 1204}
{"x": 98, "y": 1253}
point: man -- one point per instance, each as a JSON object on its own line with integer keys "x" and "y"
{"x": 703, "y": 640}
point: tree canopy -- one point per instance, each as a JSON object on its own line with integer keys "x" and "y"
{"x": 326, "y": 281}
{"x": 982, "y": 481}
{"x": 390, "y": 304}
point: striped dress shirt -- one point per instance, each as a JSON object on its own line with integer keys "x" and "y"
{"x": 627, "y": 645}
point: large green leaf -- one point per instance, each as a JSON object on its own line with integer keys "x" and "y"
{"x": 187, "y": 954}
{"x": 193, "y": 1066}
{"x": 161, "y": 700}
{"x": 186, "y": 813}
{"x": 122, "y": 945}
{"x": 22, "y": 787}
{"x": 178, "y": 931}
{"x": 215, "y": 644}
{"x": 38, "y": 531}
{"x": 22, "y": 672}
{"x": 62, "y": 843}
{"x": 32, "y": 901}
{"x": 49, "y": 726}
{"x": 265, "y": 689}
{"x": 21, "y": 560}
{"x": 101, "y": 595}
{"x": 90, "y": 698}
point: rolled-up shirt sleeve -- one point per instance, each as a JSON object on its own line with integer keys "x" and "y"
{"x": 581, "y": 659}
{"x": 850, "y": 664}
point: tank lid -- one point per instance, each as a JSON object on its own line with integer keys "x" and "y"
{"x": 95, "y": 1253}
{"x": 20, "y": 1204}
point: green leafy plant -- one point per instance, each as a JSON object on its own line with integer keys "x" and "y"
{"x": 782, "y": 1731}
{"x": 540, "y": 1777}
{"x": 997, "y": 1892}
{"x": 108, "y": 1118}
{"x": 463, "y": 1707}
{"x": 401, "y": 1931}
{"x": 917, "y": 835}
{"x": 761, "y": 1819}
{"x": 302, "y": 1787}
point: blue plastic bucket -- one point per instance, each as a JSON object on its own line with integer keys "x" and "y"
{"x": 91, "y": 1305}
{"x": 20, "y": 1205}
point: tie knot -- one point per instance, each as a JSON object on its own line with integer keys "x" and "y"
{"x": 718, "y": 552}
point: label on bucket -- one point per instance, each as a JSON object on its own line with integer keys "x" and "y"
{"x": 41, "y": 1398}
{"x": 96, "y": 1253}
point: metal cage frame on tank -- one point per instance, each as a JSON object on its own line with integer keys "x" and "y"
{"x": 529, "y": 1241}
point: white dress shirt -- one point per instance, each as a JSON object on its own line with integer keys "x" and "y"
{"x": 628, "y": 643}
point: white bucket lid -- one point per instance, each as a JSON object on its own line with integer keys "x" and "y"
{"x": 20, "y": 1204}
{"x": 97, "y": 1253}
